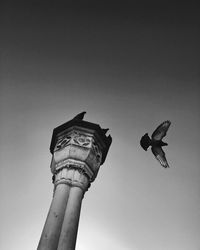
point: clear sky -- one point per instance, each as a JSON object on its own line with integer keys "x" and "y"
{"x": 130, "y": 67}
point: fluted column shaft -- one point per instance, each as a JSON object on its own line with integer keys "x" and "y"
{"x": 69, "y": 229}
{"x": 78, "y": 181}
{"x": 51, "y": 231}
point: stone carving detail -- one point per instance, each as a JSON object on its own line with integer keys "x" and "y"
{"x": 73, "y": 176}
{"x": 63, "y": 142}
{"x": 81, "y": 139}
{"x": 80, "y": 166}
{"x": 81, "y": 151}
{"x": 97, "y": 152}
{"x": 74, "y": 138}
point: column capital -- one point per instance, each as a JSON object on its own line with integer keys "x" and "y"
{"x": 79, "y": 146}
{"x": 73, "y": 176}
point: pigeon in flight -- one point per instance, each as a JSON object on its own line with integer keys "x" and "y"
{"x": 156, "y": 142}
{"x": 79, "y": 116}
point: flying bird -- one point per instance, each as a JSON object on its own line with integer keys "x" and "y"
{"x": 79, "y": 116}
{"x": 156, "y": 142}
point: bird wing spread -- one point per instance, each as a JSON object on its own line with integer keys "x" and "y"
{"x": 161, "y": 131}
{"x": 160, "y": 156}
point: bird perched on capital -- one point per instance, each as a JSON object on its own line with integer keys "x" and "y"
{"x": 80, "y": 116}
{"x": 105, "y": 130}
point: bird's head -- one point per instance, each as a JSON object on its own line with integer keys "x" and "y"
{"x": 145, "y": 141}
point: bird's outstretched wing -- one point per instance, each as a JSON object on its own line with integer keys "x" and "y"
{"x": 79, "y": 116}
{"x": 161, "y": 131}
{"x": 160, "y": 156}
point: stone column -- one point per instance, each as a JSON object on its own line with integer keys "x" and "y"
{"x": 78, "y": 149}
{"x": 51, "y": 232}
{"x": 79, "y": 185}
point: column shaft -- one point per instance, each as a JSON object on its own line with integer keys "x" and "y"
{"x": 51, "y": 231}
{"x": 69, "y": 229}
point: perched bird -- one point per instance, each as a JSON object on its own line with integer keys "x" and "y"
{"x": 105, "y": 130}
{"x": 79, "y": 116}
{"x": 156, "y": 142}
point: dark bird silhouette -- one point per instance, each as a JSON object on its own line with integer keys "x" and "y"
{"x": 156, "y": 142}
{"x": 105, "y": 130}
{"x": 79, "y": 116}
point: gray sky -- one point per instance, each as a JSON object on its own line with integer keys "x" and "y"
{"x": 130, "y": 67}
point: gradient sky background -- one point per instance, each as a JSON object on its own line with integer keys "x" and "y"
{"x": 130, "y": 67}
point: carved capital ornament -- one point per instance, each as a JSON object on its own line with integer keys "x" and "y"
{"x": 78, "y": 149}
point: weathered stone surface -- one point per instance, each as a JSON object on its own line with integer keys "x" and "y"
{"x": 73, "y": 177}
{"x": 78, "y": 149}
{"x": 85, "y": 126}
{"x": 69, "y": 229}
{"x": 52, "y": 228}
